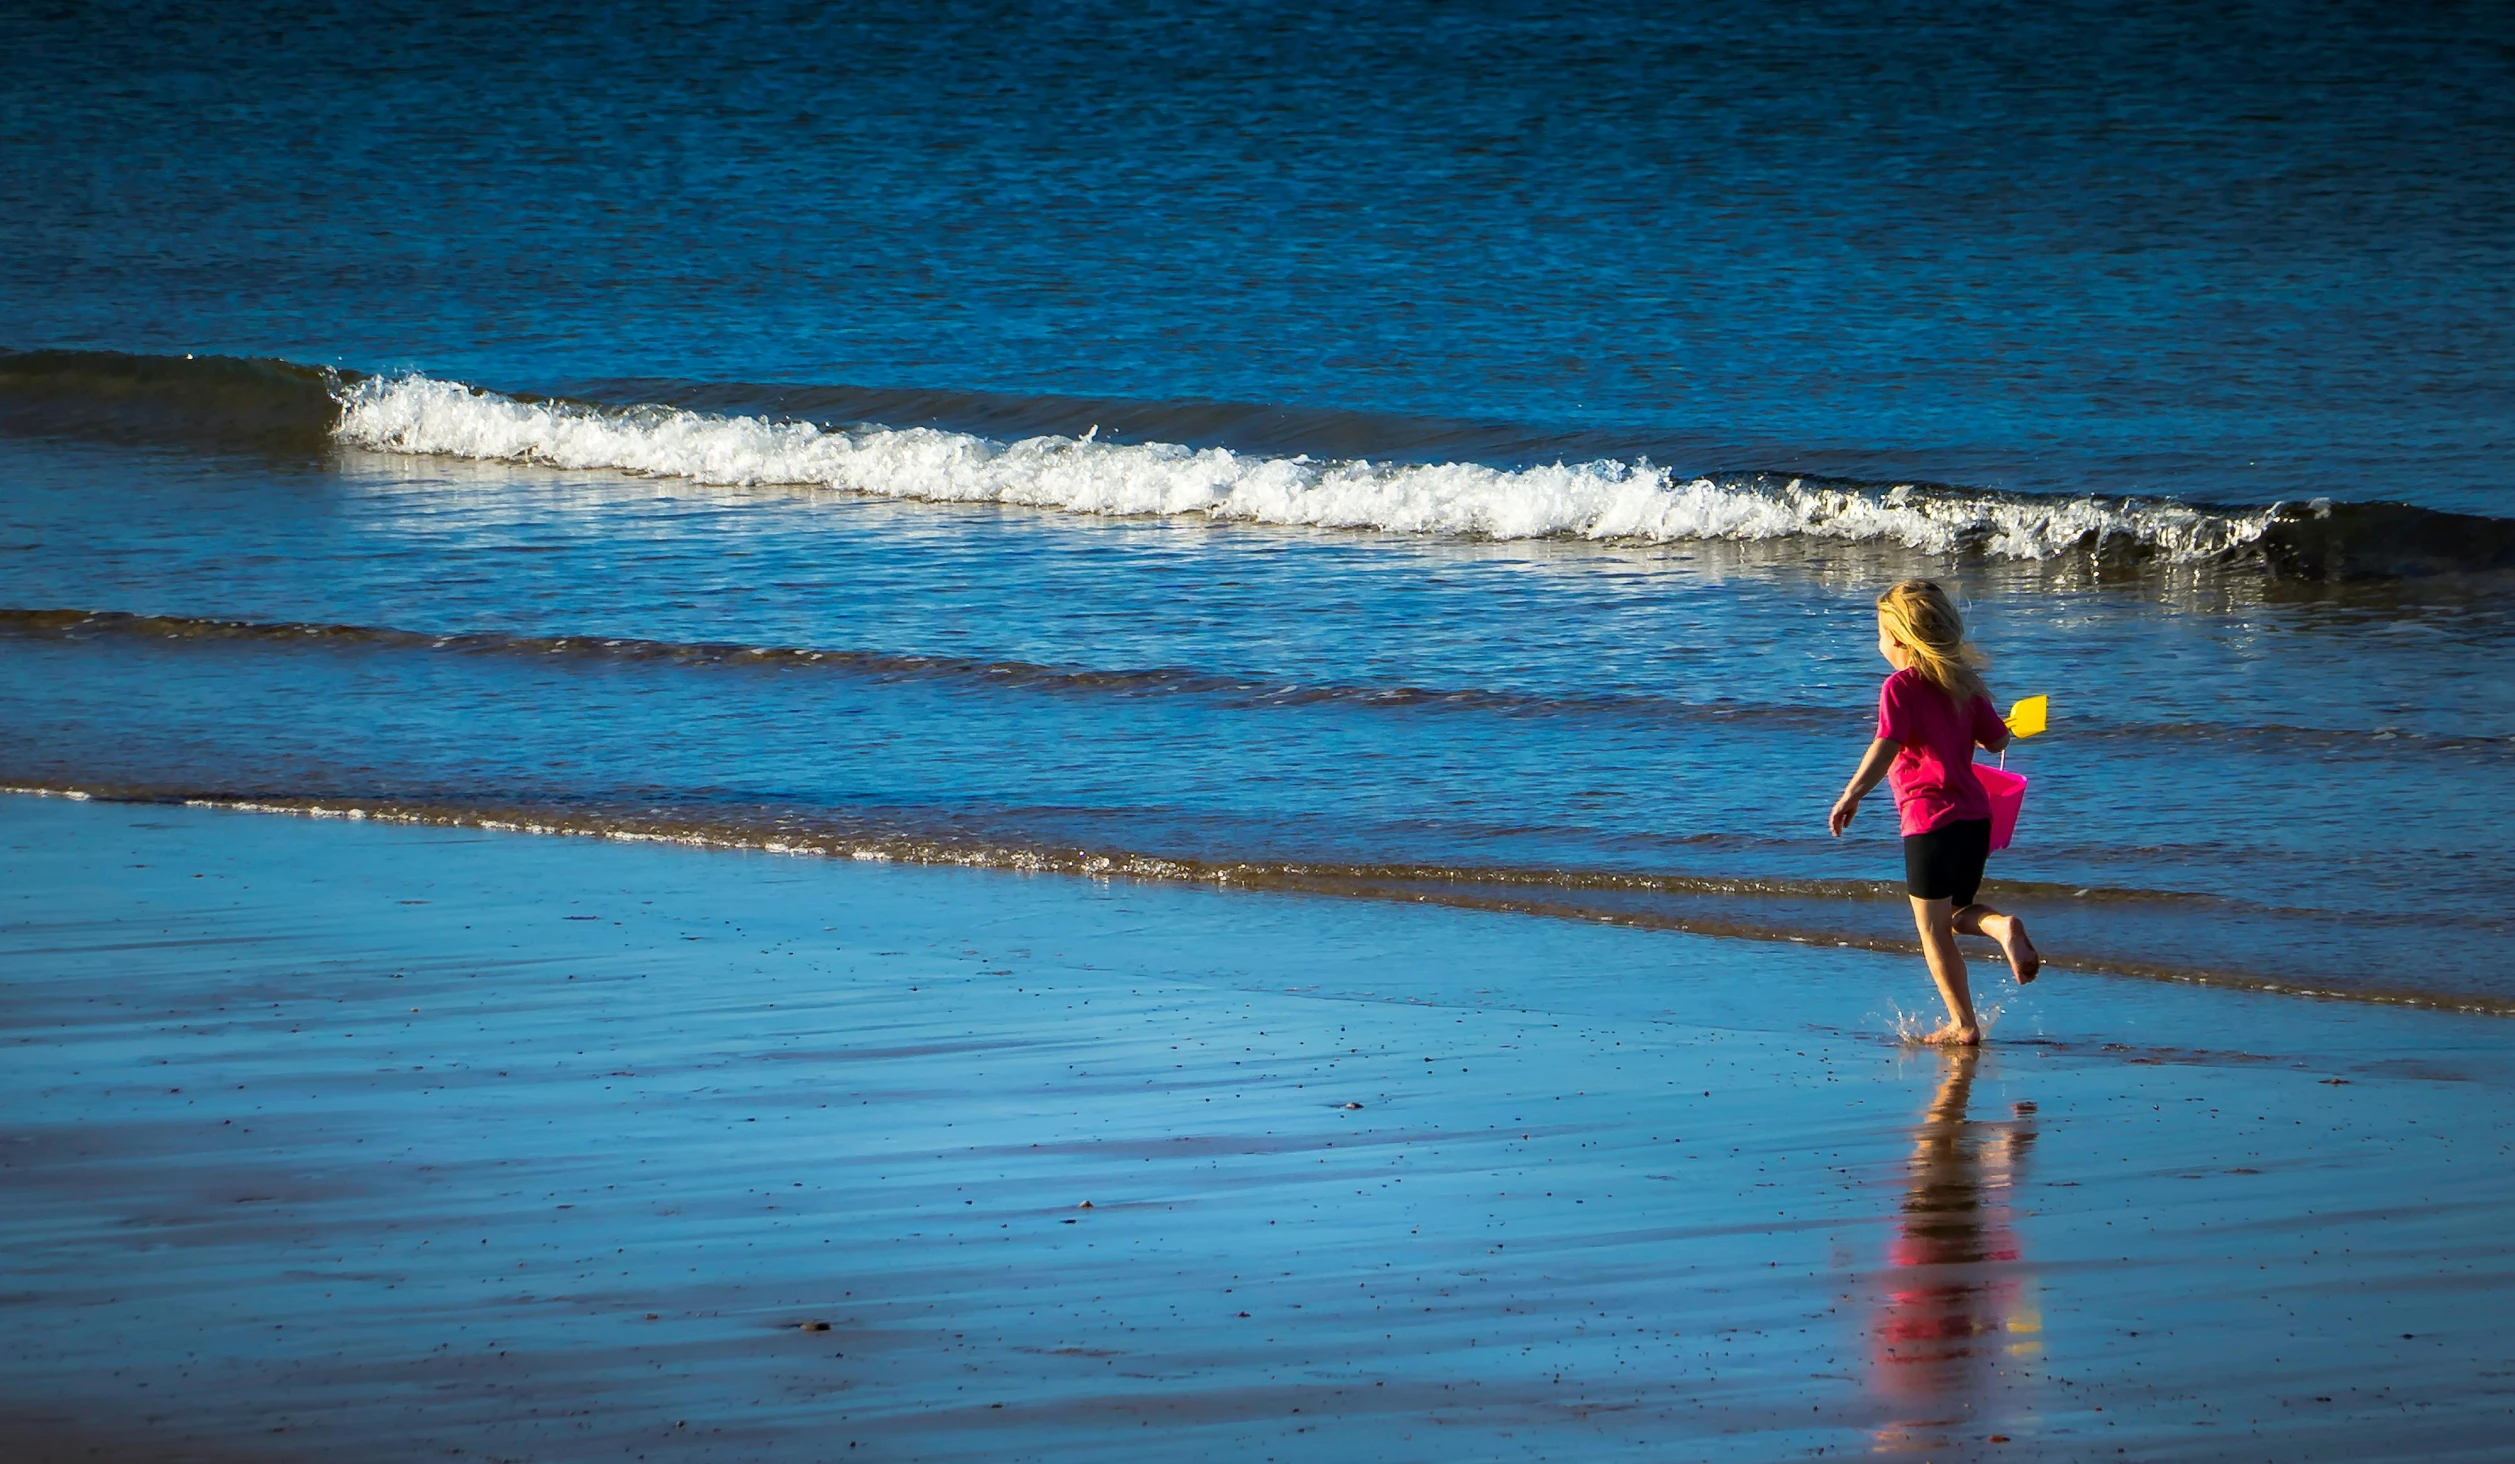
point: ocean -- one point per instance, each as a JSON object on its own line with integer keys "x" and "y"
{"x": 1428, "y": 454}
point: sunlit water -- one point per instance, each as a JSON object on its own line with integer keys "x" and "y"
{"x": 1576, "y": 392}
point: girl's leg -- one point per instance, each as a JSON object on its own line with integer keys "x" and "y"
{"x": 2010, "y": 932}
{"x": 1936, "y": 919}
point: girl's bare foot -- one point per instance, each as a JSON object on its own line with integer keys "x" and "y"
{"x": 2024, "y": 960}
{"x": 1955, "y": 1035}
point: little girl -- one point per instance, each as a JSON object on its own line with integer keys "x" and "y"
{"x": 1931, "y": 714}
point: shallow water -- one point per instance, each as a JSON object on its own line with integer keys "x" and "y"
{"x": 1446, "y": 459}
{"x": 1646, "y": 732}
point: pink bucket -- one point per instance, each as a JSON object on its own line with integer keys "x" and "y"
{"x": 2008, "y": 795}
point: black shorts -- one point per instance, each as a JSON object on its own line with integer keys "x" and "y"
{"x": 1946, "y": 863}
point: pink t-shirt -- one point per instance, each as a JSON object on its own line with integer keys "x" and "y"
{"x": 1933, "y": 776}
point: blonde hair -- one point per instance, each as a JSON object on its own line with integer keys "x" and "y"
{"x": 1919, "y": 616}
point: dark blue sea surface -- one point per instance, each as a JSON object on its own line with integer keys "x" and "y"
{"x": 2227, "y": 252}
{"x": 1437, "y": 453}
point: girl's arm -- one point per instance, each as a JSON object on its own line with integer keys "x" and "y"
{"x": 1990, "y": 732}
{"x": 1873, "y": 766}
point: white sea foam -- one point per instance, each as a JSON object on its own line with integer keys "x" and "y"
{"x": 1605, "y": 500}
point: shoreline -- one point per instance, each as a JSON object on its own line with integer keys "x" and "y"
{"x": 1462, "y": 888}
{"x": 1608, "y": 1192}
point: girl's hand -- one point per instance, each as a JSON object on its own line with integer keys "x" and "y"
{"x": 1873, "y": 766}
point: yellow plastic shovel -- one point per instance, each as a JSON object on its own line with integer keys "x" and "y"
{"x": 2027, "y": 717}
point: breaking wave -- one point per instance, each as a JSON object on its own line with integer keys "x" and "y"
{"x": 1294, "y": 467}
{"x": 1607, "y": 499}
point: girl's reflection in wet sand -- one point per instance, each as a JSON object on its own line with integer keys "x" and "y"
{"x": 1957, "y": 1318}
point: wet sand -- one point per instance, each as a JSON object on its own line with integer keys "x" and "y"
{"x": 334, "y": 1140}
